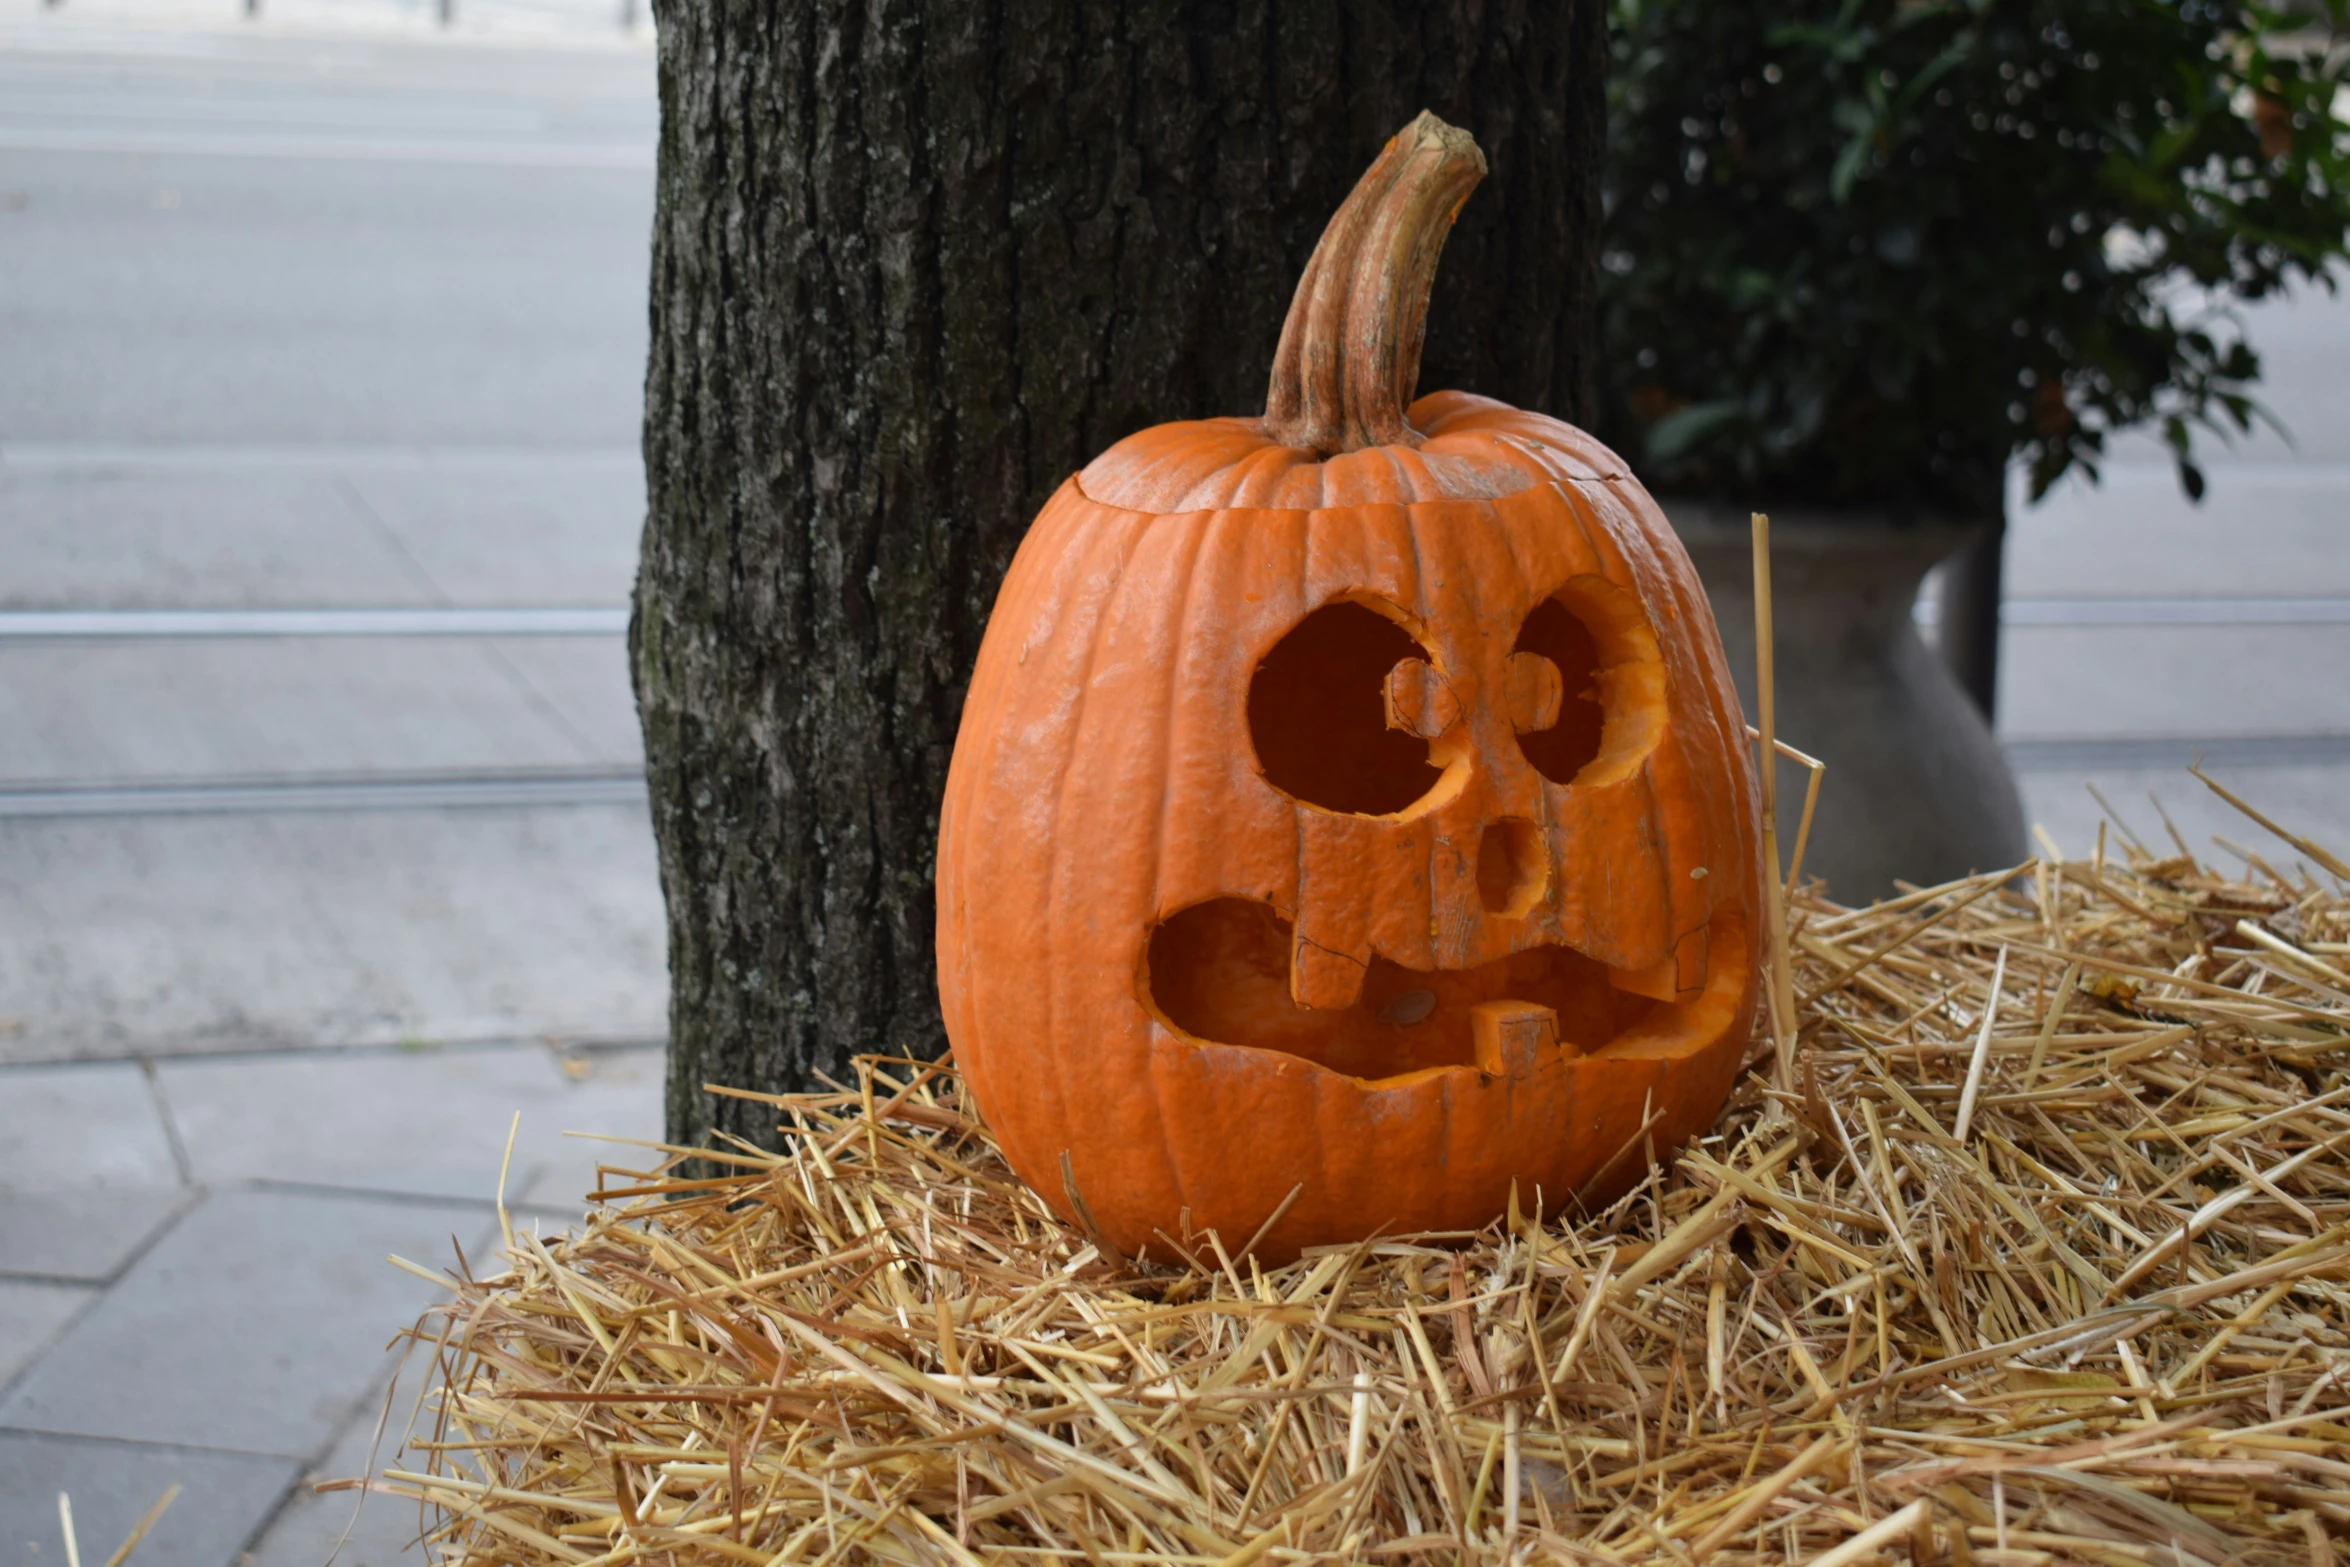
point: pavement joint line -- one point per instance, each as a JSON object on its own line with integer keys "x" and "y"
{"x": 95, "y": 1292}
{"x": 589, "y": 156}
{"x": 584, "y": 1045}
{"x": 388, "y": 792}
{"x": 171, "y": 1131}
{"x": 2167, "y": 753}
{"x": 273, "y": 40}
{"x": 404, "y": 1199}
{"x": 589, "y": 1045}
{"x": 519, "y": 680}
{"x": 113, "y": 456}
{"x": 138, "y": 1441}
{"x": 444, "y": 620}
{"x": 589, "y": 786}
{"x": 190, "y": 1196}
{"x": 45, "y": 625}
{"x": 63, "y": 1281}
{"x": 2246, "y": 611}
{"x": 313, "y": 1465}
{"x": 58, "y": 453}
{"x": 391, "y": 539}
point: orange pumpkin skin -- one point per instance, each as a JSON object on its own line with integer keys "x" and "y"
{"x": 1189, "y": 954}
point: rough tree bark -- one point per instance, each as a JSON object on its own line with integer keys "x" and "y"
{"x": 914, "y": 261}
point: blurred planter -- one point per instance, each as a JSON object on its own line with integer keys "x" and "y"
{"x": 1916, "y": 788}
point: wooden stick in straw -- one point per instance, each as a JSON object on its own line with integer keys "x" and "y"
{"x": 505, "y": 1163}
{"x": 1883, "y": 1531}
{"x": 1358, "y": 1423}
{"x": 1272, "y": 1219}
{"x": 1759, "y": 1498}
{"x": 1511, "y": 1473}
{"x": 2048, "y": 1024}
{"x": 1974, "y": 1071}
{"x": 2315, "y": 850}
{"x": 1811, "y": 799}
{"x": 130, "y": 1543}
{"x": 1782, "y": 972}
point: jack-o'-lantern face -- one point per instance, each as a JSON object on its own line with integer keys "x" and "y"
{"x": 1432, "y": 745}
{"x": 1357, "y": 829}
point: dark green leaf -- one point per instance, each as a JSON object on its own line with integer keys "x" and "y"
{"x": 1679, "y": 433}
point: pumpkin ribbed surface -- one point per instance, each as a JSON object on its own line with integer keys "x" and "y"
{"x": 1360, "y": 831}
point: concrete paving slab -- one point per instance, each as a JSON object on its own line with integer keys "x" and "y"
{"x": 223, "y": 1498}
{"x": 2069, "y": 682}
{"x": 617, "y": 1092}
{"x": 564, "y": 24}
{"x": 103, "y": 536}
{"x": 549, "y": 528}
{"x": 285, "y": 73}
{"x": 71, "y": 1128}
{"x": 193, "y": 933}
{"x": 258, "y": 1324}
{"x": 86, "y": 1235}
{"x": 2311, "y": 801}
{"x": 124, "y": 711}
{"x": 31, "y": 1315}
{"x": 422, "y": 1122}
{"x": 157, "y": 294}
{"x": 383, "y": 1530}
{"x": 586, "y": 680}
{"x": 2265, "y": 529}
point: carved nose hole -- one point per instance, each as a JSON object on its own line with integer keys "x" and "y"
{"x": 1513, "y": 871}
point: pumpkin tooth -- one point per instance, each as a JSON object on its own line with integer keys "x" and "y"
{"x": 1322, "y": 979}
{"x": 1512, "y": 1038}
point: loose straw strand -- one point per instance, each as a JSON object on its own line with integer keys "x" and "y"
{"x": 1782, "y": 972}
{"x": 1974, "y": 1071}
{"x": 874, "y": 1342}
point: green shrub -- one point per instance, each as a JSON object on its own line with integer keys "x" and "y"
{"x": 1868, "y": 252}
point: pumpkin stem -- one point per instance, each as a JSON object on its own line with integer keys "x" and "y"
{"x": 1350, "y": 350}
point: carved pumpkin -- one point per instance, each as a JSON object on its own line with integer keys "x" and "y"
{"x": 1351, "y": 809}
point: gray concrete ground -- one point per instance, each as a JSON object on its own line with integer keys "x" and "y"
{"x": 322, "y": 843}
{"x": 302, "y": 321}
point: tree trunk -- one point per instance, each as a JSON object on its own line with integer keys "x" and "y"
{"x": 915, "y": 261}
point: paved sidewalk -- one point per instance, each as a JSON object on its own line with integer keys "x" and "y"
{"x": 321, "y": 325}
{"x": 196, "y": 1287}
{"x": 322, "y": 840}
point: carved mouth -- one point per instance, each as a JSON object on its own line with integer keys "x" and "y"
{"x": 1220, "y": 972}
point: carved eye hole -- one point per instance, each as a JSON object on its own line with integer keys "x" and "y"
{"x": 1321, "y": 707}
{"x": 1611, "y": 683}
{"x": 1555, "y": 636}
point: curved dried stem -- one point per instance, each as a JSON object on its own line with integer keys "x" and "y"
{"x": 1350, "y": 350}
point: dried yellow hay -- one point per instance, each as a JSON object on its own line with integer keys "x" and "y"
{"x": 2039, "y": 1258}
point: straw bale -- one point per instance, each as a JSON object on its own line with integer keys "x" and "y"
{"x": 2042, "y": 1255}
